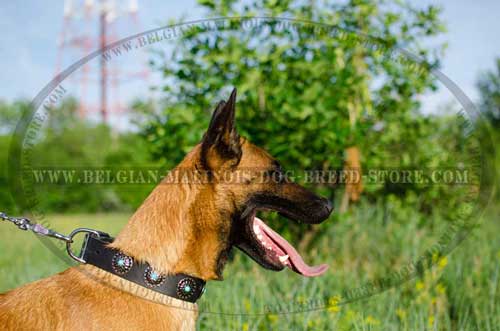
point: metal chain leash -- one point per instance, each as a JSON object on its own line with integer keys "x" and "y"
{"x": 22, "y": 223}
{"x": 25, "y": 224}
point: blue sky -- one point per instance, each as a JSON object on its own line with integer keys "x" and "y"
{"x": 31, "y": 28}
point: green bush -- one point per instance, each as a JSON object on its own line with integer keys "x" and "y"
{"x": 68, "y": 143}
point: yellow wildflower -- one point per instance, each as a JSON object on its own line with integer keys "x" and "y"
{"x": 431, "y": 320}
{"x": 371, "y": 320}
{"x": 440, "y": 288}
{"x": 333, "y": 304}
{"x": 401, "y": 313}
{"x": 272, "y": 318}
{"x": 443, "y": 262}
{"x": 245, "y": 327}
{"x": 419, "y": 285}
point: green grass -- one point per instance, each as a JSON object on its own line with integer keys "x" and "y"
{"x": 25, "y": 258}
{"x": 460, "y": 293}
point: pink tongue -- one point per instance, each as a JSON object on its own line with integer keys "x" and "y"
{"x": 297, "y": 263}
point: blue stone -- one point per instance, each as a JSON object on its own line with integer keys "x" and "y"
{"x": 187, "y": 288}
{"x": 121, "y": 262}
{"x": 154, "y": 276}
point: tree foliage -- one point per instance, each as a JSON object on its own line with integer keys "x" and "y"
{"x": 489, "y": 90}
{"x": 303, "y": 95}
{"x": 66, "y": 143}
{"x": 489, "y": 103}
{"x": 298, "y": 90}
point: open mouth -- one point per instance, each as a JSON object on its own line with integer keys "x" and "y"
{"x": 272, "y": 251}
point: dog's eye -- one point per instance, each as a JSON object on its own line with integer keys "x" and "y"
{"x": 275, "y": 174}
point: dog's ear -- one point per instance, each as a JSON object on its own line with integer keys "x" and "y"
{"x": 221, "y": 143}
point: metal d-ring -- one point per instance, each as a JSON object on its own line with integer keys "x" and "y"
{"x": 70, "y": 241}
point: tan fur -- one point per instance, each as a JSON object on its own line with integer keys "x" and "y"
{"x": 177, "y": 229}
{"x": 182, "y": 227}
{"x": 182, "y": 220}
{"x": 72, "y": 300}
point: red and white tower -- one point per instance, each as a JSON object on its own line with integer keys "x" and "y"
{"x": 89, "y": 25}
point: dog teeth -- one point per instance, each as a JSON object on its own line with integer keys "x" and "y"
{"x": 283, "y": 258}
{"x": 256, "y": 229}
{"x": 259, "y": 236}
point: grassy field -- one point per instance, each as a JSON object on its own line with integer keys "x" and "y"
{"x": 460, "y": 293}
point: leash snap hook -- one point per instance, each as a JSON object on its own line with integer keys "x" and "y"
{"x": 70, "y": 241}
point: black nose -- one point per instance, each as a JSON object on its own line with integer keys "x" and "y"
{"x": 328, "y": 206}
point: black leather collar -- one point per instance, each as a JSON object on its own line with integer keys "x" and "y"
{"x": 180, "y": 286}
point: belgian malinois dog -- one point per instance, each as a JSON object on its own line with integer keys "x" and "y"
{"x": 183, "y": 227}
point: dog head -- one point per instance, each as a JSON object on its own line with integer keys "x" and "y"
{"x": 244, "y": 179}
{"x": 190, "y": 226}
